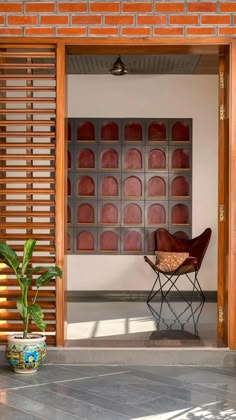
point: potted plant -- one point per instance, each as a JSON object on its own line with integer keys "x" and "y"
{"x": 26, "y": 352}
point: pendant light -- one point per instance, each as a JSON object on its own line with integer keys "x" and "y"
{"x": 118, "y": 68}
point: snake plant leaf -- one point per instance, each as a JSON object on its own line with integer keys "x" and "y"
{"x": 49, "y": 274}
{"x": 20, "y": 306}
{"x": 36, "y": 314}
{"x": 28, "y": 251}
{"x": 9, "y": 257}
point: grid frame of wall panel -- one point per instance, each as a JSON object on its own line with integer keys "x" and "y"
{"x": 127, "y": 177}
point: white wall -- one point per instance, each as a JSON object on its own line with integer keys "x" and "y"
{"x": 152, "y": 96}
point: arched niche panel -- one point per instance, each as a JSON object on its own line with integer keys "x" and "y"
{"x": 156, "y": 159}
{"x": 68, "y": 159}
{"x": 133, "y": 131}
{"x": 109, "y": 159}
{"x": 180, "y": 215}
{"x": 156, "y": 215}
{"x": 109, "y": 186}
{"x": 181, "y": 235}
{"x": 133, "y": 159}
{"x": 86, "y": 131}
{"x": 86, "y": 159}
{"x": 132, "y": 214}
{"x": 68, "y": 187}
{"x": 156, "y": 187}
{"x": 132, "y": 242}
{"x": 110, "y": 131}
{"x": 156, "y": 132}
{"x": 68, "y": 242}
{"x": 180, "y": 159}
{"x": 68, "y": 214}
{"x": 108, "y": 241}
{"x": 85, "y": 213}
{"x": 180, "y": 132}
{"x": 180, "y": 187}
{"x": 109, "y": 214}
{"x": 132, "y": 187}
{"x": 86, "y": 186}
{"x": 85, "y": 241}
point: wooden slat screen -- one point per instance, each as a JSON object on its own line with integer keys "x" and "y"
{"x": 27, "y": 171}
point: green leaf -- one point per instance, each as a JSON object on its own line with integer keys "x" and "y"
{"x": 49, "y": 274}
{"x": 36, "y": 314}
{"x": 28, "y": 251}
{"x": 9, "y": 257}
{"x": 20, "y": 306}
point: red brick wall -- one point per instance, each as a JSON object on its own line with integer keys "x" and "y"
{"x": 146, "y": 18}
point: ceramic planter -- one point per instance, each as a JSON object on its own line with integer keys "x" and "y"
{"x": 26, "y": 355}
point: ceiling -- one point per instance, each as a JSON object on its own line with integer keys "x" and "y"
{"x": 144, "y": 63}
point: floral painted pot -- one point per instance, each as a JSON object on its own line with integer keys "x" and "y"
{"x": 26, "y": 355}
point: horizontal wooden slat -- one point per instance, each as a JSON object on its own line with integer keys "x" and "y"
{"x": 22, "y": 54}
{"x": 26, "y": 122}
{"x": 49, "y": 100}
{"x": 26, "y": 191}
{"x": 27, "y": 77}
{"x": 24, "y": 236}
{"x": 15, "y": 293}
{"x": 19, "y": 327}
{"x": 27, "y": 180}
{"x": 21, "y": 225}
{"x": 17, "y": 134}
{"x": 24, "y": 168}
{"x": 27, "y": 157}
{"x": 27, "y": 202}
{"x": 14, "y": 283}
{"x": 27, "y": 213}
{"x": 11, "y": 304}
{"x": 16, "y": 111}
{"x": 14, "y": 316}
{"x": 17, "y": 66}
{"x": 49, "y": 146}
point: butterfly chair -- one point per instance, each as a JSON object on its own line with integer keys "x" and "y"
{"x": 175, "y": 257}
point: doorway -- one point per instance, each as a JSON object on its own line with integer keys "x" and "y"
{"x": 205, "y": 65}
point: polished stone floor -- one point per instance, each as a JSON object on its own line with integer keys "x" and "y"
{"x": 134, "y": 324}
{"x": 96, "y": 392}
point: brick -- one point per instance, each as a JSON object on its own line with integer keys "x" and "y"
{"x": 168, "y": 31}
{"x": 184, "y": 20}
{"x": 39, "y": 7}
{"x": 10, "y": 7}
{"x": 1, "y": 20}
{"x": 71, "y": 31}
{"x": 227, "y": 31}
{"x": 202, "y": 7}
{"x": 119, "y": 20}
{"x": 103, "y": 31}
{"x": 200, "y": 31}
{"x": 137, "y": 7}
{"x": 39, "y": 31}
{"x": 111, "y": 7}
{"x": 22, "y": 20}
{"x": 234, "y": 20}
{"x": 169, "y": 7}
{"x": 136, "y": 31}
{"x": 86, "y": 20}
{"x": 10, "y": 31}
{"x": 54, "y": 20}
{"x": 228, "y": 7}
{"x": 72, "y": 7}
{"x": 151, "y": 20}
{"x": 215, "y": 20}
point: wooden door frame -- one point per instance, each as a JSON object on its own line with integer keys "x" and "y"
{"x": 139, "y": 46}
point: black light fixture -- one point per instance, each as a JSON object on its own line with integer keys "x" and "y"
{"x": 118, "y": 68}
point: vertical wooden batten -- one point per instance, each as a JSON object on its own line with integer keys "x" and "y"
{"x": 60, "y": 191}
{"x": 232, "y": 201}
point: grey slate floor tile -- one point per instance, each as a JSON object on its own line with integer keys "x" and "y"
{"x": 93, "y": 392}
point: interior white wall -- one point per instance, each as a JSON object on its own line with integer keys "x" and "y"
{"x": 162, "y": 96}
